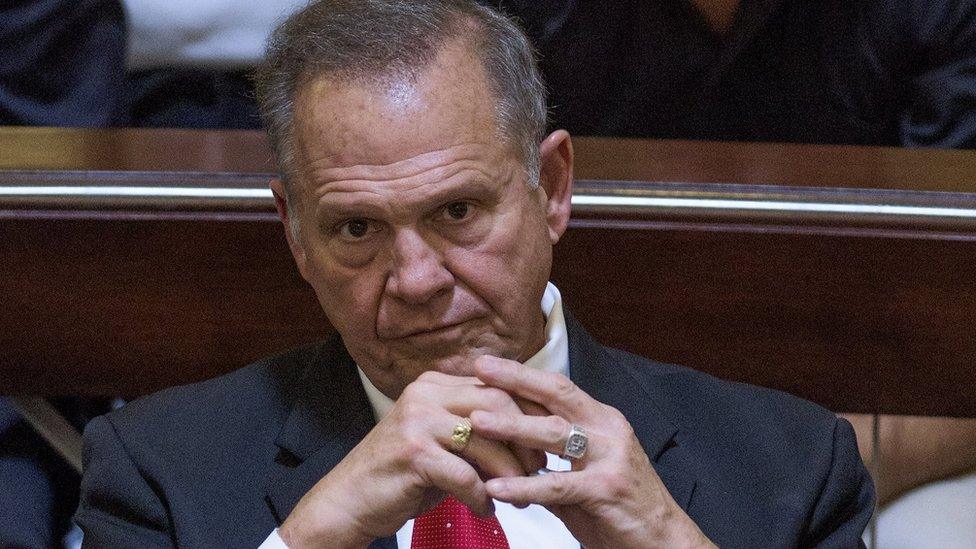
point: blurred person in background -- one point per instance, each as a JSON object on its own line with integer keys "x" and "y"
{"x": 106, "y": 63}
{"x": 61, "y": 64}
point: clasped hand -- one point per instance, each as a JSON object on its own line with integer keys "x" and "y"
{"x": 405, "y": 465}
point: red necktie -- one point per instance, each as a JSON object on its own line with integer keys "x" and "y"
{"x": 451, "y": 525}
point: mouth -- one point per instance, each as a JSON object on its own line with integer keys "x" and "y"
{"x": 432, "y": 331}
{"x": 438, "y": 332}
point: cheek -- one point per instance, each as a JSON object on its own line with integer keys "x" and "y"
{"x": 508, "y": 266}
{"x": 349, "y": 297}
{"x": 522, "y": 243}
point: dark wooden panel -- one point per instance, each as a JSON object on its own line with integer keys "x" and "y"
{"x": 861, "y": 311}
{"x": 136, "y": 305}
{"x": 105, "y": 306}
{"x": 855, "y": 323}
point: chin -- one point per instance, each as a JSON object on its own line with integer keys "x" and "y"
{"x": 458, "y": 365}
{"x": 401, "y": 366}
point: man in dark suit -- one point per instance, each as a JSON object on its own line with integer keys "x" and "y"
{"x": 872, "y": 72}
{"x": 421, "y": 200}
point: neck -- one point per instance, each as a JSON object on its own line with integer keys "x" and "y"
{"x": 536, "y": 343}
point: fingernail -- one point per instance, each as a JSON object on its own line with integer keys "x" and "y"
{"x": 490, "y": 365}
{"x": 495, "y": 486}
{"x": 482, "y": 419}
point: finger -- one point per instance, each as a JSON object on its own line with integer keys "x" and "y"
{"x": 555, "y": 392}
{"x": 532, "y": 460}
{"x": 542, "y": 433}
{"x": 420, "y": 403}
{"x": 447, "y": 380}
{"x": 440, "y": 378}
{"x": 465, "y": 398}
{"x": 494, "y": 458}
{"x": 549, "y": 489}
{"x": 453, "y": 475}
{"x": 530, "y": 408}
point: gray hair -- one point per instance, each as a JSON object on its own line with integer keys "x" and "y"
{"x": 372, "y": 41}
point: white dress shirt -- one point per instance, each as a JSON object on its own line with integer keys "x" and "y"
{"x": 533, "y": 527}
{"x": 220, "y": 34}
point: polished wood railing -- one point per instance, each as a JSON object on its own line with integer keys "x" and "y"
{"x": 135, "y": 259}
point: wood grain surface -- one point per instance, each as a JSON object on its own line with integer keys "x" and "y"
{"x": 858, "y": 312}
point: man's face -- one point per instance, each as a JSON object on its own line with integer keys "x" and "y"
{"x": 419, "y": 233}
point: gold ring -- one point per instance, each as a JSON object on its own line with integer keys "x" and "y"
{"x": 461, "y": 434}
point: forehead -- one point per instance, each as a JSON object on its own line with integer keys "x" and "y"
{"x": 341, "y": 123}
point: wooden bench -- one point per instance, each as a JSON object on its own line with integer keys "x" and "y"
{"x": 133, "y": 260}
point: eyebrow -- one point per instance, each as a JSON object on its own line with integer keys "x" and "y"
{"x": 345, "y": 204}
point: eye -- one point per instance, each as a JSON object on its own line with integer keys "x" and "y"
{"x": 355, "y": 229}
{"x": 457, "y": 211}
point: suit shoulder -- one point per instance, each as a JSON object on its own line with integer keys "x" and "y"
{"x": 251, "y": 396}
{"x": 693, "y": 397}
{"x": 772, "y": 450}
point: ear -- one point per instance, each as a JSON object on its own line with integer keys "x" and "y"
{"x": 297, "y": 251}
{"x": 556, "y": 178}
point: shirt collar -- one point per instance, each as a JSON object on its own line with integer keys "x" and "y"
{"x": 552, "y": 357}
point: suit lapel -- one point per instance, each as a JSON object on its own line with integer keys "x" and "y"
{"x": 329, "y": 415}
{"x": 634, "y": 393}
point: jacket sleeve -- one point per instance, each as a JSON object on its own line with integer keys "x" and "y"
{"x": 846, "y": 502}
{"x": 117, "y": 507}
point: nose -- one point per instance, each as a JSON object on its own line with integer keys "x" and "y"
{"x": 418, "y": 272}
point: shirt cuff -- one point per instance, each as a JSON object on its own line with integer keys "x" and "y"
{"x": 274, "y": 541}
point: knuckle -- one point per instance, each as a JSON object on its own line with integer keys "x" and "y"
{"x": 412, "y": 391}
{"x": 619, "y": 488}
{"x": 428, "y": 376}
{"x": 463, "y": 474}
{"x": 559, "y": 488}
{"x": 556, "y": 428}
{"x": 496, "y": 399}
{"x": 562, "y": 387}
{"x": 411, "y": 410}
{"x": 413, "y": 442}
{"x": 615, "y": 486}
{"x": 616, "y": 420}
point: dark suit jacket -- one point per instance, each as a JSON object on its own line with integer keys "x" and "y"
{"x": 62, "y": 62}
{"x": 223, "y": 462}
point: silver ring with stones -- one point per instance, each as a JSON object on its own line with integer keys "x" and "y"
{"x": 575, "y": 443}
